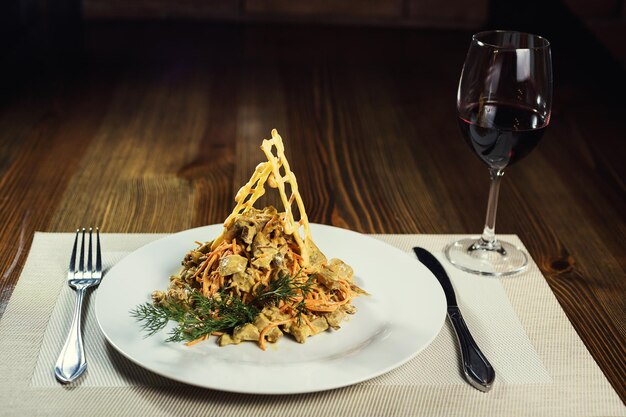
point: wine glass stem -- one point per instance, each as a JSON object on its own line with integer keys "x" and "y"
{"x": 488, "y": 237}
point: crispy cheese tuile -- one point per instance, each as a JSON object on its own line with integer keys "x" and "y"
{"x": 270, "y": 172}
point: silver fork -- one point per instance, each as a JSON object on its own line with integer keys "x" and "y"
{"x": 71, "y": 363}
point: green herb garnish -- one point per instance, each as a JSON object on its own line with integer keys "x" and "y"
{"x": 202, "y": 316}
{"x": 283, "y": 288}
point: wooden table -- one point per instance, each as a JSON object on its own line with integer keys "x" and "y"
{"x": 155, "y": 128}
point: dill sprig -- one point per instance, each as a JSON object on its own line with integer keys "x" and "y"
{"x": 202, "y": 316}
{"x": 305, "y": 289}
{"x": 155, "y": 317}
{"x": 283, "y": 288}
{"x": 215, "y": 314}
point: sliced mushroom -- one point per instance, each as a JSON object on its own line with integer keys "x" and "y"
{"x": 232, "y": 264}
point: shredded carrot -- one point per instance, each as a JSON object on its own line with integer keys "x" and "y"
{"x": 205, "y": 279}
{"x": 324, "y": 306}
{"x": 266, "y": 279}
{"x": 269, "y": 327}
{"x": 201, "y": 268}
{"x": 256, "y": 286}
{"x": 214, "y": 280}
{"x": 292, "y": 269}
{"x": 198, "y": 340}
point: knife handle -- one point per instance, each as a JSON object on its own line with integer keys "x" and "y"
{"x": 477, "y": 369}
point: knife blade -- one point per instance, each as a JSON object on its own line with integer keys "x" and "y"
{"x": 476, "y": 368}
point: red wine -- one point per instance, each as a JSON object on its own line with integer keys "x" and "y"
{"x": 500, "y": 133}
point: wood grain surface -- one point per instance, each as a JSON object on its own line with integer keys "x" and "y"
{"x": 155, "y": 128}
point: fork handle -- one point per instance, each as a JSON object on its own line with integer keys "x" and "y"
{"x": 71, "y": 363}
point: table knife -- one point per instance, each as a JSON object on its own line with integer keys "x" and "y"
{"x": 476, "y": 368}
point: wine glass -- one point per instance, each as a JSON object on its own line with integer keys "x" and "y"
{"x": 503, "y": 103}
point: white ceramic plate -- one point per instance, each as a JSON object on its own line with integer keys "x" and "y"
{"x": 403, "y": 314}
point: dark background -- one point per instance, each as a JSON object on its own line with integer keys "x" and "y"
{"x": 51, "y": 45}
{"x": 38, "y": 36}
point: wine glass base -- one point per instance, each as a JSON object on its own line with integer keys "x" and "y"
{"x": 491, "y": 260}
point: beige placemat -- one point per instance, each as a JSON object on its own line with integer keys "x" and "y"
{"x": 543, "y": 368}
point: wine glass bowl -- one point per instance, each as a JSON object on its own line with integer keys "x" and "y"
{"x": 503, "y": 105}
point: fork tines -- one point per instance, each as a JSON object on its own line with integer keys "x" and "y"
{"x": 88, "y": 272}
